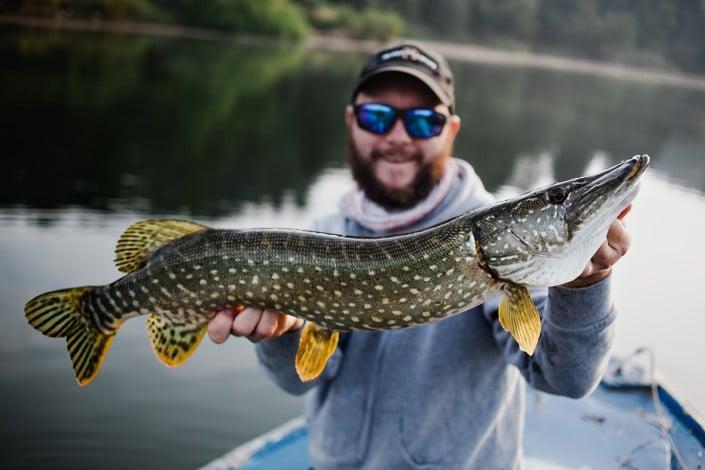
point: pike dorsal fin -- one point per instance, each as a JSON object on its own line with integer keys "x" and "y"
{"x": 518, "y": 316}
{"x": 141, "y": 239}
{"x": 173, "y": 343}
{"x": 316, "y": 346}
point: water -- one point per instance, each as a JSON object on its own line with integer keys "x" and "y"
{"x": 99, "y": 131}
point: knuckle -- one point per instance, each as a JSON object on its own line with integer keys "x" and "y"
{"x": 266, "y": 328}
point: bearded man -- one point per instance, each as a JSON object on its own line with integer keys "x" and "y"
{"x": 448, "y": 394}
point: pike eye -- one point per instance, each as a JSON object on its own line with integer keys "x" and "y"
{"x": 556, "y": 195}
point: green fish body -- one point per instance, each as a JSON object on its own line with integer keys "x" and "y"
{"x": 180, "y": 274}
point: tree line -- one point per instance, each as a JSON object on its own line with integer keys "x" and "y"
{"x": 653, "y": 33}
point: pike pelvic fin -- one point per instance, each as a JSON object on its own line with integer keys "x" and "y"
{"x": 59, "y": 314}
{"x": 316, "y": 346}
{"x": 518, "y": 316}
{"x": 143, "y": 238}
{"x": 174, "y": 343}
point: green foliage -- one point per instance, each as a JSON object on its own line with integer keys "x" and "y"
{"x": 644, "y": 32}
{"x": 650, "y": 32}
{"x": 367, "y": 24}
{"x": 270, "y": 17}
{"x": 376, "y": 24}
{"x": 279, "y": 18}
{"x": 512, "y": 18}
{"x": 103, "y": 9}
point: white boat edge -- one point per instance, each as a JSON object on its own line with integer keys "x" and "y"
{"x": 242, "y": 454}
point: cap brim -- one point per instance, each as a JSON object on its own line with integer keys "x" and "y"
{"x": 423, "y": 77}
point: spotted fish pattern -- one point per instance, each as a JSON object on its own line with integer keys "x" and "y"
{"x": 337, "y": 282}
{"x": 179, "y": 273}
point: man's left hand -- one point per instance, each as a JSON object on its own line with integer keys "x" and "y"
{"x": 614, "y": 247}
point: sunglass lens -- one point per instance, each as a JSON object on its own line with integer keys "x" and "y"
{"x": 375, "y": 118}
{"x": 424, "y": 123}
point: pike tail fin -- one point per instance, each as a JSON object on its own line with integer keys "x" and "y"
{"x": 59, "y": 314}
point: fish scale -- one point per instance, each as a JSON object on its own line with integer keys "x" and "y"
{"x": 179, "y": 274}
{"x": 338, "y": 282}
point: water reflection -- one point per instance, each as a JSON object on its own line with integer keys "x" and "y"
{"x": 171, "y": 126}
{"x": 99, "y": 131}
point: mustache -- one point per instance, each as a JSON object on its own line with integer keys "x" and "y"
{"x": 396, "y": 155}
{"x": 401, "y": 198}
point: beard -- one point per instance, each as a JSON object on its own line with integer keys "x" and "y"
{"x": 428, "y": 175}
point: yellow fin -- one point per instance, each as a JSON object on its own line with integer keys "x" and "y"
{"x": 518, "y": 316}
{"x": 87, "y": 348}
{"x": 173, "y": 343}
{"x": 316, "y": 346}
{"x": 59, "y": 314}
{"x": 141, "y": 239}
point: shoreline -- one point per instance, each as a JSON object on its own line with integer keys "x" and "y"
{"x": 470, "y": 53}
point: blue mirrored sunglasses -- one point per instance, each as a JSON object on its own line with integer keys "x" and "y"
{"x": 379, "y": 118}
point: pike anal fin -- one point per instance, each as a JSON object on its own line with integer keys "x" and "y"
{"x": 518, "y": 316}
{"x": 173, "y": 343}
{"x": 316, "y": 346}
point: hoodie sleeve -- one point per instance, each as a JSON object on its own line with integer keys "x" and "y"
{"x": 577, "y": 333}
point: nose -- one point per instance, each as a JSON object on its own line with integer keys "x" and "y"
{"x": 398, "y": 134}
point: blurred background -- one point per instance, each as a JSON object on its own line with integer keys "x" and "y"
{"x": 231, "y": 113}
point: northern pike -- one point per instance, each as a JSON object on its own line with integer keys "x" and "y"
{"x": 181, "y": 273}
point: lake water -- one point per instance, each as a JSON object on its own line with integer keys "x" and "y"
{"x": 99, "y": 131}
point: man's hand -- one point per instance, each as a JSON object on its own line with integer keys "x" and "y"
{"x": 615, "y": 246}
{"x": 254, "y": 323}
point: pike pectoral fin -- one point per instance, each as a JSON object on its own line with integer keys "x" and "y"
{"x": 518, "y": 316}
{"x": 174, "y": 343}
{"x": 316, "y": 346}
{"x": 141, "y": 239}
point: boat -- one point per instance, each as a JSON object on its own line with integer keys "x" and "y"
{"x": 630, "y": 421}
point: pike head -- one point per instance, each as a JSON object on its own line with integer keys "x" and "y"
{"x": 546, "y": 237}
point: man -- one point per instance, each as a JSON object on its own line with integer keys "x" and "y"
{"x": 448, "y": 394}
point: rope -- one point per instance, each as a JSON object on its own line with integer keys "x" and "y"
{"x": 661, "y": 420}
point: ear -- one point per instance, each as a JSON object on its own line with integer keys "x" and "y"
{"x": 349, "y": 117}
{"x": 454, "y": 125}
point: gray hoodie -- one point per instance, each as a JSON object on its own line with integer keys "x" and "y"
{"x": 448, "y": 394}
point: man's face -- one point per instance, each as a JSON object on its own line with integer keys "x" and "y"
{"x": 394, "y": 169}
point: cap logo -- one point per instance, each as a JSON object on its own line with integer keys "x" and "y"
{"x": 410, "y": 54}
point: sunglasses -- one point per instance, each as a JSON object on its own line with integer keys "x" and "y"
{"x": 379, "y": 118}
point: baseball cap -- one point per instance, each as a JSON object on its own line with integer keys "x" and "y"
{"x": 415, "y": 59}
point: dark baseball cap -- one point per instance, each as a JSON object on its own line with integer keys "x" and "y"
{"x": 412, "y": 58}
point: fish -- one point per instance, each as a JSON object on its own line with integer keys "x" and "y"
{"x": 179, "y": 273}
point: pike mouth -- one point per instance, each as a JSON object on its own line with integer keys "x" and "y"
{"x": 640, "y": 164}
{"x": 608, "y": 192}
{"x": 626, "y": 173}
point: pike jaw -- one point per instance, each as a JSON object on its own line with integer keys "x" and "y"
{"x": 546, "y": 237}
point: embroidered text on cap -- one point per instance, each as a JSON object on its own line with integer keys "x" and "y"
{"x": 411, "y": 54}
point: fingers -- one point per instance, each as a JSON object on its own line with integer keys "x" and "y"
{"x": 219, "y": 326}
{"x": 624, "y": 212}
{"x": 288, "y": 323}
{"x": 612, "y": 249}
{"x": 618, "y": 237}
{"x": 246, "y": 322}
{"x": 273, "y": 324}
{"x": 607, "y": 255}
{"x": 253, "y": 323}
{"x": 265, "y": 328}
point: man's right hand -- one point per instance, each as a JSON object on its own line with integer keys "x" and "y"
{"x": 254, "y": 323}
